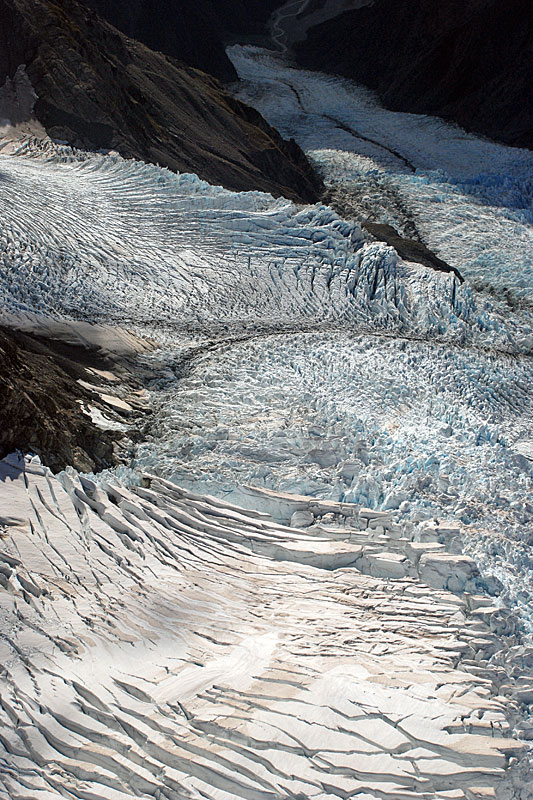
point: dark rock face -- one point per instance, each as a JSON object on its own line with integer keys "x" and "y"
{"x": 40, "y": 410}
{"x": 99, "y": 89}
{"x": 469, "y": 61}
{"x": 190, "y": 30}
{"x": 409, "y": 249}
{"x": 179, "y": 28}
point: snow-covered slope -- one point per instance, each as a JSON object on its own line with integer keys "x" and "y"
{"x": 159, "y": 644}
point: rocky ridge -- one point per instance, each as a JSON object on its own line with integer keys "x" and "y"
{"x": 409, "y": 249}
{"x": 97, "y": 89}
{"x": 190, "y": 30}
{"x": 69, "y": 403}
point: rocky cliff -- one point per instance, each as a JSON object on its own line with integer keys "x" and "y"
{"x": 191, "y": 30}
{"x": 469, "y": 61}
{"x": 99, "y": 89}
{"x": 41, "y": 410}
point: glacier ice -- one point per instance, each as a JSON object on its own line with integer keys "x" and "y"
{"x": 160, "y": 643}
{"x": 303, "y": 376}
{"x": 423, "y": 429}
{"x": 470, "y": 200}
{"x": 366, "y": 407}
{"x": 110, "y": 241}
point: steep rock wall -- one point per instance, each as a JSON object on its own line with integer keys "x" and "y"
{"x": 469, "y": 62}
{"x": 99, "y": 89}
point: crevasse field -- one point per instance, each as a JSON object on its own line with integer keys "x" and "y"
{"x": 422, "y": 427}
{"x": 296, "y": 354}
{"x": 469, "y": 199}
{"x": 182, "y": 628}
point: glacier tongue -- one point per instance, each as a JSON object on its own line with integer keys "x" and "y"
{"x": 159, "y": 643}
{"x": 469, "y": 199}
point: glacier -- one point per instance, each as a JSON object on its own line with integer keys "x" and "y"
{"x": 422, "y": 429}
{"x": 341, "y": 444}
{"x": 161, "y": 643}
{"x": 101, "y": 239}
{"x": 127, "y": 241}
{"x": 294, "y": 353}
{"x": 470, "y": 200}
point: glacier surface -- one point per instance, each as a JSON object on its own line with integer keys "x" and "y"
{"x": 470, "y": 200}
{"x": 230, "y": 653}
{"x": 163, "y": 644}
{"x": 295, "y": 354}
{"x": 425, "y": 430}
{"x": 101, "y": 239}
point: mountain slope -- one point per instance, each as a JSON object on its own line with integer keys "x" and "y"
{"x": 470, "y": 62}
{"x": 191, "y": 30}
{"x": 99, "y": 89}
{"x": 42, "y": 406}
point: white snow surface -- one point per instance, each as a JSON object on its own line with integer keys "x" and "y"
{"x": 161, "y": 644}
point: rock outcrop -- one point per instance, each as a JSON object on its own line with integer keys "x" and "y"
{"x": 50, "y": 403}
{"x": 469, "y": 62}
{"x": 409, "y": 249}
{"x": 98, "y": 89}
{"x": 191, "y": 30}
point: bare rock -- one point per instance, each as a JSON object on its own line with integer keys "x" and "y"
{"x": 99, "y": 89}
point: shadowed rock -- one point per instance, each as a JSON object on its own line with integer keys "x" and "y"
{"x": 99, "y": 89}
{"x": 191, "y": 30}
{"x": 41, "y": 409}
{"x": 409, "y": 249}
{"x": 470, "y": 62}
